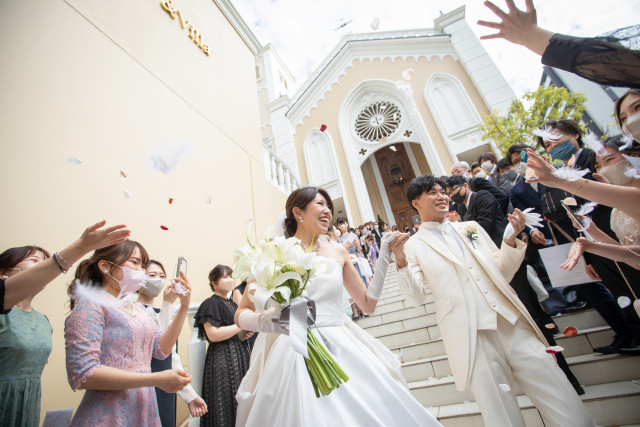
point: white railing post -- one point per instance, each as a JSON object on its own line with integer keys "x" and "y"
{"x": 278, "y": 173}
{"x": 197, "y": 352}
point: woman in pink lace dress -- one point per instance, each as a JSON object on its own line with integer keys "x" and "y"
{"x": 109, "y": 347}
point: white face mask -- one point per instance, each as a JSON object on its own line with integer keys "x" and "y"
{"x": 615, "y": 173}
{"x": 632, "y": 126}
{"x": 153, "y": 287}
{"x": 487, "y": 166}
{"x": 131, "y": 281}
{"x": 521, "y": 168}
{"x": 481, "y": 174}
{"x": 343, "y": 227}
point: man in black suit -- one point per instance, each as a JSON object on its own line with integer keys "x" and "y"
{"x": 477, "y": 184}
{"x": 482, "y": 207}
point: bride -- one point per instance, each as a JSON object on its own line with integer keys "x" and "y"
{"x": 277, "y": 391}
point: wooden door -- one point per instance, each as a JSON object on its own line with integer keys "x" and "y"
{"x": 397, "y": 192}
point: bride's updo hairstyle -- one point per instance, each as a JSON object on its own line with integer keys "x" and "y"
{"x": 300, "y": 198}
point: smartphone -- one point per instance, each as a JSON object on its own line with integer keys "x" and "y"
{"x": 181, "y": 266}
{"x": 524, "y": 156}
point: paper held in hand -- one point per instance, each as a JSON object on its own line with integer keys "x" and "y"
{"x": 553, "y": 257}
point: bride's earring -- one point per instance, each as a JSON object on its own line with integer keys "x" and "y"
{"x": 300, "y": 218}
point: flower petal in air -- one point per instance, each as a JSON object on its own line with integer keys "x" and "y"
{"x": 570, "y": 331}
{"x": 74, "y": 161}
{"x": 504, "y": 387}
{"x": 554, "y": 349}
{"x": 323, "y": 128}
{"x": 408, "y": 74}
{"x": 624, "y": 301}
{"x": 164, "y": 227}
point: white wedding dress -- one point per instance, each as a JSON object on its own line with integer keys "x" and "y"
{"x": 277, "y": 391}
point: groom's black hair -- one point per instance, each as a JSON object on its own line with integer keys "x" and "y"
{"x": 423, "y": 184}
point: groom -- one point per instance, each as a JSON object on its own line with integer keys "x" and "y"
{"x": 491, "y": 340}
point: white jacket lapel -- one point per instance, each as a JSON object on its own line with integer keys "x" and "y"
{"x": 437, "y": 243}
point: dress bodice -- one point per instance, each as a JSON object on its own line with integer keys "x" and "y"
{"x": 626, "y": 228}
{"x": 326, "y": 290}
{"x": 25, "y": 344}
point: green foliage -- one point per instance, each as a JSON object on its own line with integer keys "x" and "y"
{"x": 380, "y": 225}
{"x": 530, "y": 112}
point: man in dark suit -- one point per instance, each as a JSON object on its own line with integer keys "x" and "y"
{"x": 482, "y": 207}
{"x": 477, "y": 184}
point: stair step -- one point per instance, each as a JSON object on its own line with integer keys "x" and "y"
{"x": 609, "y": 404}
{"x": 581, "y": 320}
{"x": 589, "y": 369}
{"x": 585, "y": 341}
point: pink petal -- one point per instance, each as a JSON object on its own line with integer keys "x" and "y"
{"x": 570, "y": 331}
{"x": 323, "y": 128}
{"x": 407, "y": 74}
{"x": 164, "y": 227}
{"x": 170, "y": 200}
{"x": 208, "y": 200}
{"x": 554, "y": 349}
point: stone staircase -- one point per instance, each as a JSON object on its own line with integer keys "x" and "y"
{"x": 611, "y": 382}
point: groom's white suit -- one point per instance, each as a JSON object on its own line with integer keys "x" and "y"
{"x": 488, "y": 334}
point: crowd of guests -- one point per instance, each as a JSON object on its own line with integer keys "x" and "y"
{"x": 487, "y": 191}
{"x": 122, "y": 350}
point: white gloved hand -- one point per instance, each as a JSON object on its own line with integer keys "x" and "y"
{"x": 375, "y": 288}
{"x": 252, "y": 321}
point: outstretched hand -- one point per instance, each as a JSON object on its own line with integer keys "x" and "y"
{"x": 517, "y": 26}
{"x": 542, "y": 168}
{"x": 96, "y": 237}
{"x": 576, "y": 251}
{"x": 517, "y": 221}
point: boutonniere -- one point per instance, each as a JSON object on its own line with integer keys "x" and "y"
{"x": 472, "y": 234}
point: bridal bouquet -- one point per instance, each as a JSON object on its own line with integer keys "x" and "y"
{"x": 280, "y": 270}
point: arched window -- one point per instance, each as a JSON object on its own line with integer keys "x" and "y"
{"x": 451, "y": 104}
{"x": 319, "y": 158}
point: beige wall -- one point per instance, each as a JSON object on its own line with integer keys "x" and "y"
{"x": 111, "y": 82}
{"x": 327, "y": 110}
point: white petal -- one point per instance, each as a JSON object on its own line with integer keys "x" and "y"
{"x": 569, "y": 173}
{"x": 624, "y": 302}
{"x": 74, "y": 161}
{"x": 547, "y": 134}
{"x": 504, "y": 387}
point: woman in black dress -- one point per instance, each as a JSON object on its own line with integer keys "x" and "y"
{"x": 227, "y": 356}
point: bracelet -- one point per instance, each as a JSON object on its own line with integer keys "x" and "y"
{"x": 57, "y": 258}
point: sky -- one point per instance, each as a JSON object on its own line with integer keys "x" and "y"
{"x": 304, "y": 32}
